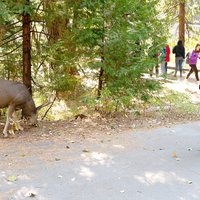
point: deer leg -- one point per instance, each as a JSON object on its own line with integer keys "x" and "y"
{"x": 10, "y": 111}
{"x": 19, "y": 127}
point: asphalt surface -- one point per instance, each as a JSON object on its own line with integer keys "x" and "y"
{"x": 159, "y": 164}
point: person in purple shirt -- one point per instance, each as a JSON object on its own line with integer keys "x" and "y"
{"x": 193, "y": 57}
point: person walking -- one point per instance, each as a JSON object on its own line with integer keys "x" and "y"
{"x": 167, "y": 59}
{"x": 193, "y": 58}
{"x": 179, "y": 51}
{"x": 155, "y": 65}
{"x": 162, "y": 59}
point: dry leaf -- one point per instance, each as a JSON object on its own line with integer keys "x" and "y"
{"x": 174, "y": 155}
{"x": 86, "y": 151}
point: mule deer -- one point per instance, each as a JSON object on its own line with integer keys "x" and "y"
{"x": 16, "y": 96}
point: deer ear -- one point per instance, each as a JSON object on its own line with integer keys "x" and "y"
{"x": 43, "y": 105}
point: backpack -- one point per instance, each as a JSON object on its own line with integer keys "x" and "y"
{"x": 193, "y": 57}
{"x": 187, "y": 58}
{"x": 190, "y": 56}
{"x": 162, "y": 55}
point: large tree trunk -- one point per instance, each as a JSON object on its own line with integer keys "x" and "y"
{"x": 26, "y": 51}
{"x": 182, "y": 21}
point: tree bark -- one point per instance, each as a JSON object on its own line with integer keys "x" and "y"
{"x": 101, "y": 70}
{"x": 182, "y": 21}
{"x": 27, "y": 50}
{"x": 100, "y": 84}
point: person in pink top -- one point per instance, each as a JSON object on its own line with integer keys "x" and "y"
{"x": 193, "y": 57}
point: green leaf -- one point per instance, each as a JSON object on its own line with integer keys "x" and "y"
{"x": 12, "y": 178}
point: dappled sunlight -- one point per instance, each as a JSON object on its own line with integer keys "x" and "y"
{"x": 188, "y": 87}
{"x": 96, "y": 158}
{"x": 86, "y": 172}
{"x": 118, "y": 146}
{"x": 3, "y": 177}
{"x": 150, "y": 178}
{"x": 19, "y": 177}
{"x": 20, "y": 193}
{"x": 182, "y": 85}
{"x": 60, "y": 110}
{"x": 23, "y": 177}
{"x": 179, "y": 86}
{"x": 26, "y": 192}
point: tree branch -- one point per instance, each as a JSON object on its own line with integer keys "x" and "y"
{"x": 10, "y": 40}
{"x": 41, "y": 64}
{"x": 11, "y": 51}
{"x": 12, "y": 35}
{"x": 7, "y": 60}
{"x": 38, "y": 8}
{"x": 14, "y": 23}
{"x": 39, "y": 32}
{"x": 40, "y": 86}
{"x": 49, "y": 107}
{"x": 37, "y": 21}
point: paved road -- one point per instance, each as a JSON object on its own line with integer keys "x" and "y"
{"x": 161, "y": 164}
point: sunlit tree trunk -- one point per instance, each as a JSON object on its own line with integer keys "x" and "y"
{"x": 182, "y": 21}
{"x": 26, "y": 50}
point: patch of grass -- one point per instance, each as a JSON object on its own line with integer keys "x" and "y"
{"x": 177, "y": 101}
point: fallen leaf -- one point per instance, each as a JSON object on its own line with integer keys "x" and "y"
{"x": 12, "y": 178}
{"x": 86, "y": 151}
{"x": 32, "y": 194}
{"x": 174, "y": 155}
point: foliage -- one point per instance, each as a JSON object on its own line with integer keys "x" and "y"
{"x": 119, "y": 37}
{"x": 170, "y": 10}
{"x": 73, "y": 40}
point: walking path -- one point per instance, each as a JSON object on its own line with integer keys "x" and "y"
{"x": 189, "y": 87}
{"x": 160, "y": 164}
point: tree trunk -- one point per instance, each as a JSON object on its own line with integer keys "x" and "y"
{"x": 101, "y": 71}
{"x": 182, "y": 21}
{"x": 26, "y": 51}
{"x": 100, "y": 84}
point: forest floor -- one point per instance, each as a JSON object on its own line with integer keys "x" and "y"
{"x": 98, "y": 125}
